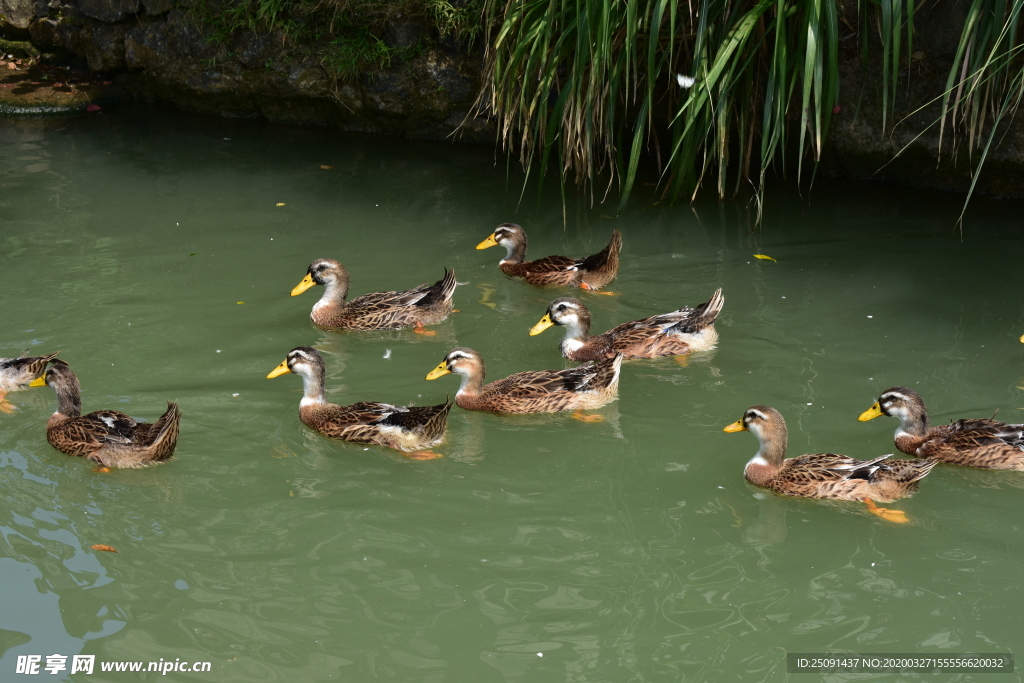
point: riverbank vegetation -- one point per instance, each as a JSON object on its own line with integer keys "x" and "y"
{"x": 720, "y": 93}
{"x": 717, "y": 95}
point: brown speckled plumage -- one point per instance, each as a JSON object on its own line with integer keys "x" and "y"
{"x": 409, "y": 428}
{"x": 823, "y": 475}
{"x": 537, "y": 391}
{"x": 982, "y": 443}
{"x": 16, "y": 373}
{"x": 669, "y": 334}
{"x": 423, "y": 305}
{"x": 107, "y": 437}
{"x": 591, "y": 272}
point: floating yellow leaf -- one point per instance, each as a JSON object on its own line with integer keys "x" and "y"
{"x": 763, "y": 257}
{"x": 326, "y": 167}
{"x": 104, "y": 547}
{"x": 282, "y": 204}
{"x": 239, "y": 302}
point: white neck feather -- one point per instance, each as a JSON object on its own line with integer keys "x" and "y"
{"x": 465, "y": 381}
{"x": 572, "y": 344}
{"x": 758, "y": 460}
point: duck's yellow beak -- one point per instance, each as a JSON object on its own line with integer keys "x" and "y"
{"x": 440, "y": 371}
{"x": 544, "y": 324}
{"x": 489, "y": 242}
{"x": 871, "y": 413}
{"x": 736, "y": 426}
{"x": 306, "y": 283}
{"x": 281, "y": 369}
{"x": 38, "y": 381}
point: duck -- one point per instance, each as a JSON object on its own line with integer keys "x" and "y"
{"x": 17, "y": 373}
{"x": 825, "y": 475}
{"x": 670, "y": 334}
{"x": 983, "y": 443}
{"x": 581, "y": 388}
{"x": 413, "y": 430}
{"x": 416, "y": 307}
{"x": 107, "y": 437}
{"x": 590, "y": 273}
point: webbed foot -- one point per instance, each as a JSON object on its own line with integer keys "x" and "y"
{"x": 889, "y": 515}
{"x": 423, "y": 455}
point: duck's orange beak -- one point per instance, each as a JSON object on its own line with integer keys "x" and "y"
{"x": 281, "y": 369}
{"x": 736, "y": 426}
{"x": 306, "y": 283}
{"x": 440, "y": 371}
{"x": 544, "y": 324}
{"x": 489, "y": 242}
{"x": 871, "y": 413}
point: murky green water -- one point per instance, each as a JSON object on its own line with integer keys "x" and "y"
{"x": 538, "y": 548}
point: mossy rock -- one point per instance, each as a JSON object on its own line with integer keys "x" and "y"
{"x": 21, "y": 49}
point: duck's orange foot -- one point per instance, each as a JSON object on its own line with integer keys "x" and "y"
{"x": 423, "y": 455}
{"x": 419, "y": 329}
{"x": 683, "y": 361}
{"x": 895, "y": 516}
{"x": 455, "y": 310}
{"x": 6, "y": 407}
{"x": 587, "y": 288}
{"x": 585, "y": 417}
{"x": 101, "y": 469}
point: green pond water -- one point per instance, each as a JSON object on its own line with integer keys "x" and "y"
{"x": 151, "y": 252}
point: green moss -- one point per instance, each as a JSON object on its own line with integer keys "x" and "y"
{"x": 19, "y": 48}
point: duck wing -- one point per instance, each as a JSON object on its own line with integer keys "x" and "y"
{"x": 538, "y": 383}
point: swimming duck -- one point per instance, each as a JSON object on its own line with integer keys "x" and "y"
{"x": 413, "y": 429}
{"x": 107, "y": 437}
{"x": 416, "y": 307}
{"x": 590, "y": 273}
{"x": 16, "y": 373}
{"x": 983, "y": 443}
{"x": 669, "y": 334}
{"x": 824, "y": 475}
{"x": 535, "y": 391}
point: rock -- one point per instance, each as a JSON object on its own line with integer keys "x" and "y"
{"x": 255, "y": 51}
{"x": 103, "y": 46}
{"x": 45, "y": 35}
{"x": 109, "y": 11}
{"x": 17, "y": 13}
{"x": 156, "y": 7}
{"x": 448, "y": 78}
{"x": 403, "y": 34}
{"x": 387, "y": 93}
{"x": 50, "y": 34}
{"x": 170, "y": 47}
